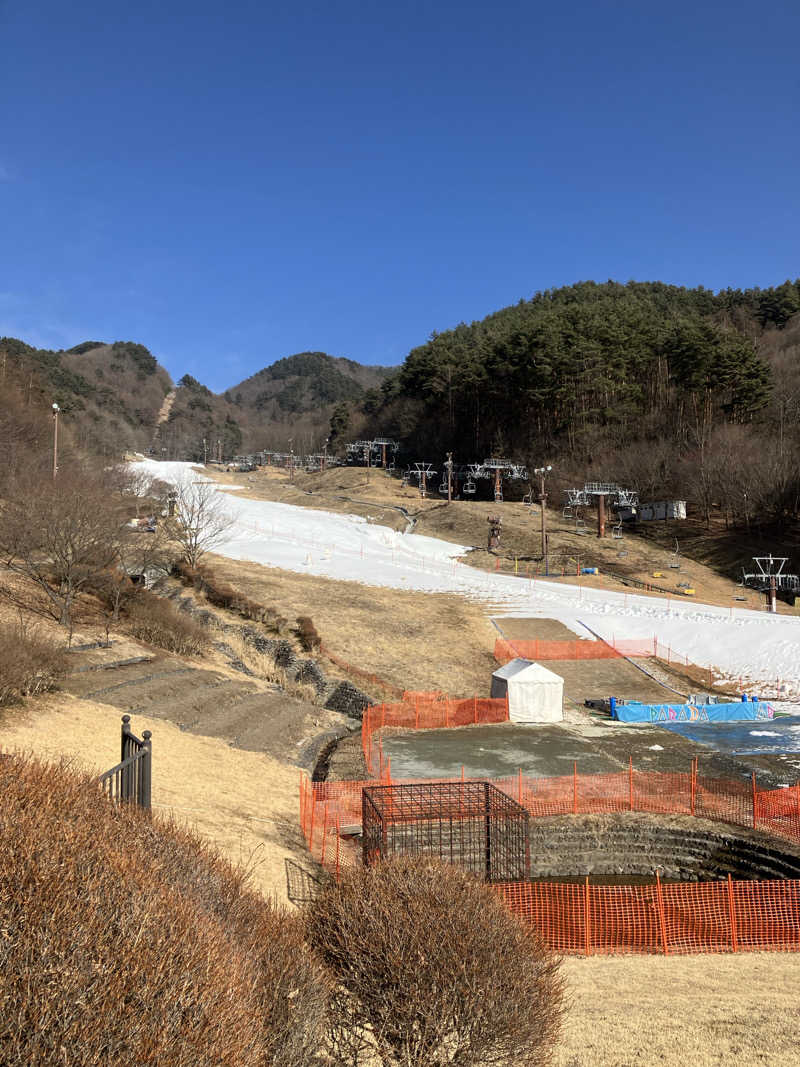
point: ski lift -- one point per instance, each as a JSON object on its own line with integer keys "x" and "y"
{"x": 528, "y": 498}
{"x": 616, "y": 531}
{"x": 443, "y": 488}
{"x": 580, "y": 525}
{"x": 673, "y": 564}
{"x": 469, "y": 487}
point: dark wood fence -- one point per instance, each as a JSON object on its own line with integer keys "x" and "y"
{"x": 130, "y": 780}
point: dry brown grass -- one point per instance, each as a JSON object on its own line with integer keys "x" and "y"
{"x": 158, "y": 622}
{"x": 128, "y": 940}
{"x": 245, "y": 803}
{"x": 643, "y": 1011}
{"x": 412, "y": 640}
{"x": 31, "y": 661}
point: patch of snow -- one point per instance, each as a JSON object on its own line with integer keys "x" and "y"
{"x": 655, "y": 748}
{"x": 759, "y": 648}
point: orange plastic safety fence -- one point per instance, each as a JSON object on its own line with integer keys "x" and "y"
{"x": 425, "y": 711}
{"x": 580, "y": 918}
{"x": 505, "y": 650}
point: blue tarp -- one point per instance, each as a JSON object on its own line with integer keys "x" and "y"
{"x": 668, "y": 713}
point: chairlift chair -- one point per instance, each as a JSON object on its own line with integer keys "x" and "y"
{"x": 580, "y": 526}
{"x": 528, "y": 498}
{"x": 443, "y": 488}
{"x": 673, "y": 564}
{"x": 616, "y": 531}
{"x": 469, "y": 487}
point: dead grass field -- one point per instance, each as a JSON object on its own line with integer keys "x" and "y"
{"x": 637, "y": 1011}
{"x": 412, "y": 640}
{"x": 244, "y": 802}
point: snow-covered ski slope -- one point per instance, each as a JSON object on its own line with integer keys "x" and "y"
{"x": 757, "y": 647}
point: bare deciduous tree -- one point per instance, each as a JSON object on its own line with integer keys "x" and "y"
{"x": 61, "y": 535}
{"x": 201, "y": 521}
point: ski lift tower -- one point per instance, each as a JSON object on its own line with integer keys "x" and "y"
{"x": 385, "y": 445}
{"x": 769, "y": 577}
{"x": 498, "y": 469}
{"x": 616, "y": 495}
{"x": 422, "y": 472}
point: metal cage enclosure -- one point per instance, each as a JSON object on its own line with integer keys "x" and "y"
{"x": 471, "y": 824}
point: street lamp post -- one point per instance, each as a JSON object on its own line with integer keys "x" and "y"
{"x": 56, "y": 410}
{"x": 542, "y": 471}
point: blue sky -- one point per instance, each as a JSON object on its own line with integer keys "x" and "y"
{"x": 231, "y": 183}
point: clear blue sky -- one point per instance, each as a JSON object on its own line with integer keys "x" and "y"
{"x": 230, "y": 183}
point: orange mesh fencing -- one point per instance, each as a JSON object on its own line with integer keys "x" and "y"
{"x": 730, "y": 916}
{"x": 424, "y": 711}
{"x": 505, "y": 650}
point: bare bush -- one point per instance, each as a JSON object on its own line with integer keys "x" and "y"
{"x": 433, "y": 970}
{"x": 307, "y": 634}
{"x": 30, "y": 663}
{"x": 157, "y": 622}
{"x": 127, "y": 940}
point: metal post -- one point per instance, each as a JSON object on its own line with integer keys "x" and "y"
{"x": 543, "y": 501}
{"x": 56, "y": 410}
{"x": 601, "y": 515}
{"x": 325, "y": 454}
{"x": 488, "y": 833}
{"x": 661, "y": 918}
{"x": 449, "y": 477}
{"x": 146, "y": 761}
{"x": 732, "y": 917}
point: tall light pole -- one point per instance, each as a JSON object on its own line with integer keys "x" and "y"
{"x": 291, "y": 459}
{"x": 325, "y": 454}
{"x": 449, "y": 477}
{"x": 542, "y": 471}
{"x": 56, "y": 410}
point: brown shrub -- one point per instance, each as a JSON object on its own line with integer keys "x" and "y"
{"x": 307, "y": 634}
{"x": 127, "y": 940}
{"x": 30, "y": 662}
{"x": 433, "y": 969}
{"x": 157, "y": 622}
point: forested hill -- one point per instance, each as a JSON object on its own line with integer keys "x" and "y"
{"x": 646, "y": 382}
{"x": 117, "y": 397}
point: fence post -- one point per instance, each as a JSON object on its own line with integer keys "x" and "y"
{"x": 338, "y": 839}
{"x": 519, "y": 785}
{"x": 475, "y": 710}
{"x": 692, "y": 784}
{"x": 313, "y": 812}
{"x": 126, "y": 777}
{"x": 732, "y": 917}
{"x": 324, "y": 833}
{"x": 755, "y": 802}
{"x": 662, "y": 922}
{"x": 145, "y": 781}
{"x": 630, "y": 782}
{"x": 416, "y": 713}
{"x": 587, "y": 937}
{"x": 575, "y": 788}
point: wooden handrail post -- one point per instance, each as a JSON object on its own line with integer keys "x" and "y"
{"x": 661, "y": 918}
{"x": 732, "y": 917}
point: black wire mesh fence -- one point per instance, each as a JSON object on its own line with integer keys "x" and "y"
{"x": 470, "y": 824}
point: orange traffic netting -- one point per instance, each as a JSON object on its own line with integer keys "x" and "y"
{"x": 704, "y": 917}
{"x": 425, "y": 711}
{"x": 505, "y": 650}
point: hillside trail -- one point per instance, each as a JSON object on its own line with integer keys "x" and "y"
{"x": 164, "y": 413}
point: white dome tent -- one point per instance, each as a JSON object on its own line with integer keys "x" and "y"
{"x": 535, "y": 694}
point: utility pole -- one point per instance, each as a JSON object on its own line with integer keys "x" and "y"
{"x": 205, "y": 452}
{"x": 542, "y": 471}
{"x": 291, "y": 459}
{"x": 325, "y": 454}
{"x": 449, "y": 477}
{"x": 56, "y": 410}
